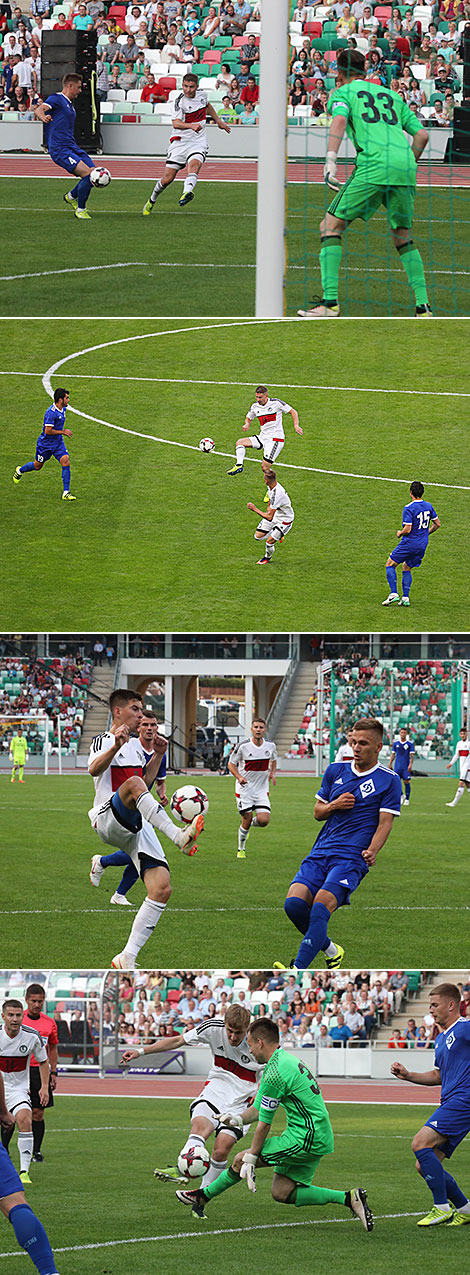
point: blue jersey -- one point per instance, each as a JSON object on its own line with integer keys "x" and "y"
{"x": 403, "y": 753}
{"x": 419, "y": 513}
{"x": 59, "y": 132}
{"x": 452, "y": 1057}
{"x": 346, "y": 833}
{"x": 161, "y": 769}
{"x": 57, "y": 420}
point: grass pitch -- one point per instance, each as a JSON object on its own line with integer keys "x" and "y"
{"x": 226, "y": 913}
{"x": 192, "y": 262}
{"x": 104, "y": 1211}
{"x": 159, "y": 531}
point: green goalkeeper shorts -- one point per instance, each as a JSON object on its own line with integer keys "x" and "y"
{"x": 360, "y": 198}
{"x": 286, "y": 1155}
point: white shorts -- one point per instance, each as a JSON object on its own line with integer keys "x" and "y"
{"x": 184, "y": 147}
{"x": 278, "y": 525}
{"x": 248, "y": 800}
{"x": 135, "y": 844}
{"x": 465, "y": 771}
{"x": 216, "y": 1100}
{"x": 16, "y": 1086}
{"x": 271, "y": 448}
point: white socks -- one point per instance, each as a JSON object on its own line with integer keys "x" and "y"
{"x": 154, "y": 813}
{"x": 147, "y": 918}
{"x": 25, "y": 1148}
{"x": 216, "y": 1167}
{"x": 242, "y": 836}
{"x": 458, "y": 795}
{"x": 240, "y": 455}
{"x": 190, "y": 183}
{"x": 157, "y": 190}
{"x": 331, "y": 950}
{"x": 194, "y": 1140}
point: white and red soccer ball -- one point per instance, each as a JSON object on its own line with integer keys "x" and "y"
{"x": 206, "y": 445}
{"x": 100, "y": 177}
{"x": 186, "y": 803}
{"x": 194, "y": 1162}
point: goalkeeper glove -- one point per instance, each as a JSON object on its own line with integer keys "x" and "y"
{"x": 231, "y": 1121}
{"x": 329, "y": 171}
{"x": 247, "y": 1170}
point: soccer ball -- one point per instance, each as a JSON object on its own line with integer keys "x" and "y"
{"x": 206, "y": 445}
{"x": 100, "y": 177}
{"x": 188, "y": 802}
{"x": 194, "y": 1162}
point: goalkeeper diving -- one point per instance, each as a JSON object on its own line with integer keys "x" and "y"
{"x": 378, "y": 122}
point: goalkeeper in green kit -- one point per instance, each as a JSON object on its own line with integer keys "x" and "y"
{"x": 377, "y": 121}
{"x": 294, "y": 1154}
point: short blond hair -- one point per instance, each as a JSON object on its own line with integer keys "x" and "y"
{"x": 238, "y": 1017}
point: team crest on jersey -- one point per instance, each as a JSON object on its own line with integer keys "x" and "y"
{"x": 367, "y": 788}
{"x": 22, "y": 1049}
{"x": 339, "y": 781}
{"x": 450, "y": 1040}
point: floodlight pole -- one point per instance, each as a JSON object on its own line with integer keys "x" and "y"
{"x": 272, "y": 133}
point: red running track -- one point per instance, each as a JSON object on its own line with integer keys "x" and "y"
{"x": 133, "y": 1086}
{"x": 33, "y": 165}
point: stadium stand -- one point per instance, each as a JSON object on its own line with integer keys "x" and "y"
{"x": 419, "y": 54}
{"x": 46, "y": 687}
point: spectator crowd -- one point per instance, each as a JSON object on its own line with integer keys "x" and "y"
{"x": 49, "y": 688}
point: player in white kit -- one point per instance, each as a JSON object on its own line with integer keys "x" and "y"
{"x": 462, "y": 755}
{"x": 17, "y": 1043}
{"x": 125, "y": 815}
{"x": 277, "y": 519}
{"x": 188, "y": 142}
{"x": 271, "y": 438}
{"x": 229, "y": 1089}
{"x": 345, "y": 752}
{"x": 253, "y": 765}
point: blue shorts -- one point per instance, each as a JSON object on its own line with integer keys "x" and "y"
{"x": 404, "y": 774}
{"x": 47, "y": 447}
{"x": 413, "y": 557}
{"x": 10, "y": 1180}
{"x": 327, "y": 872}
{"x": 69, "y": 157}
{"x": 452, "y": 1120}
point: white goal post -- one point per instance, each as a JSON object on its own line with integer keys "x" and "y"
{"x": 272, "y": 162}
{"x": 9, "y": 723}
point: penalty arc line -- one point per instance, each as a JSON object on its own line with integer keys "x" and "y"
{"x": 228, "y": 1230}
{"x": 46, "y": 380}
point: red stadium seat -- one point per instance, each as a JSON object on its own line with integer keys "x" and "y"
{"x": 383, "y": 13}
{"x": 165, "y": 85}
{"x": 403, "y": 45}
{"x": 212, "y": 55}
{"x": 312, "y": 28}
{"x": 130, "y": 119}
{"x": 173, "y": 995}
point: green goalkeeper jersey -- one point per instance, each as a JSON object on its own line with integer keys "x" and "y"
{"x": 377, "y": 123}
{"x": 18, "y": 749}
{"x": 287, "y": 1082}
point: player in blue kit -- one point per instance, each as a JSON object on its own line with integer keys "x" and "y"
{"x": 358, "y": 801}
{"x": 28, "y": 1229}
{"x": 419, "y": 522}
{"x": 51, "y": 443}
{"x": 58, "y": 115}
{"x": 401, "y": 760}
{"x": 450, "y": 1123}
{"x": 151, "y": 741}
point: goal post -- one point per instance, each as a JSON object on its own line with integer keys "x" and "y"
{"x": 272, "y": 161}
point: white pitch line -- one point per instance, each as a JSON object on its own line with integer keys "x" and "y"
{"x": 229, "y": 1230}
{"x": 39, "y": 274}
{"x": 103, "y": 345}
{"x": 203, "y": 265}
{"x": 392, "y": 907}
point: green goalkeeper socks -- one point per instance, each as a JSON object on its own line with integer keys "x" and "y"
{"x": 315, "y": 1195}
{"x": 330, "y": 261}
{"x": 414, "y": 270}
{"x": 222, "y": 1183}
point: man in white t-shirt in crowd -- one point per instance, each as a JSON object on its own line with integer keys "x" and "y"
{"x": 188, "y": 142}
{"x": 462, "y": 755}
{"x": 271, "y": 438}
{"x": 277, "y": 519}
{"x": 253, "y": 765}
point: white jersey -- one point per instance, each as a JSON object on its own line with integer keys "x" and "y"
{"x": 192, "y": 110}
{"x": 15, "y": 1052}
{"x": 345, "y": 753}
{"x": 232, "y": 1065}
{"x": 462, "y": 755}
{"x": 129, "y": 760}
{"x": 270, "y": 420}
{"x": 280, "y": 502}
{"x": 253, "y": 761}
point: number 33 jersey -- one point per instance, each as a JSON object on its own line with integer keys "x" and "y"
{"x": 377, "y": 123}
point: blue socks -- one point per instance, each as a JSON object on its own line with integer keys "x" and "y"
{"x": 117, "y": 860}
{"x": 26, "y": 469}
{"x": 298, "y": 912}
{"x": 454, "y": 1194}
{"x": 128, "y": 879}
{"x": 32, "y": 1237}
{"x": 407, "y": 790}
{"x": 392, "y": 579}
{"x": 81, "y": 191}
{"x": 406, "y": 582}
{"x": 66, "y": 477}
{"x": 121, "y": 860}
{"x": 434, "y": 1175}
{"x": 315, "y": 938}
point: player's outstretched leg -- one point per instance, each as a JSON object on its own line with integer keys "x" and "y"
{"x": 30, "y": 1233}
{"x": 240, "y": 455}
{"x": 25, "y": 469}
{"x": 355, "y": 1200}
